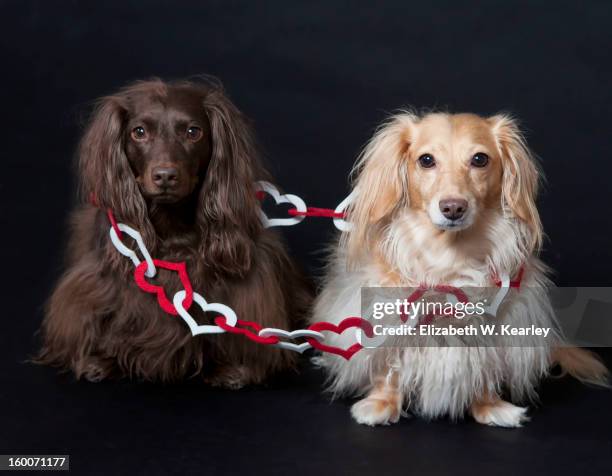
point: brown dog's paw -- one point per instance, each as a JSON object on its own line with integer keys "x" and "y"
{"x": 231, "y": 377}
{"x": 94, "y": 372}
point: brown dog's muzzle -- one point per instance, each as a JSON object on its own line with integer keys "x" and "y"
{"x": 165, "y": 178}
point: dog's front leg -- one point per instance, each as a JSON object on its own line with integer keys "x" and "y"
{"x": 491, "y": 410}
{"x": 383, "y": 404}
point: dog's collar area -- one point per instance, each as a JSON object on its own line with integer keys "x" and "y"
{"x": 514, "y": 283}
{"x": 337, "y": 214}
{"x": 93, "y": 200}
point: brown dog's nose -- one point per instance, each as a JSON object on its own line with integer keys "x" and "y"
{"x": 453, "y": 208}
{"x": 165, "y": 177}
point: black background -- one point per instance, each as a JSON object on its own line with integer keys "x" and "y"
{"x": 316, "y": 78}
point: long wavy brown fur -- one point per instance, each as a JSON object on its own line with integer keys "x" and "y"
{"x": 99, "y": 324}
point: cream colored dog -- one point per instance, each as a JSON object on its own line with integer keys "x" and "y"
{"x": 445, "y": 199}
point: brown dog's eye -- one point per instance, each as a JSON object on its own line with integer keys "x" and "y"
{"x": 194, "y": 133}
{"x": 480, "y": 160}
{"x": 427, "y": 161}
{"x": 139, "y": 133}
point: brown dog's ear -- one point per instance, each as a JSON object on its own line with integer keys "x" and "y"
{"x": 520, "y": 178}
{"x": 228, "y": 207}
{"x": 381, "y": 180}
{"x": 106, "y": 177}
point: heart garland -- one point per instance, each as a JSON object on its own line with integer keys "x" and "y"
{"x": 341, "y": 223}
{"x": 229, "y": 322}
{"x": 301, "y": 211}
{"x": 162, "y": 299}
{"x": 345, "y": 324}
{"x": 296, "y": 201}
{"x": 255, "y": 337}
{"x": 271, "y": 331}
{"x": 125, "y": 251}
{"x": 504, "y": 287}
{"x": 228, "y": 314}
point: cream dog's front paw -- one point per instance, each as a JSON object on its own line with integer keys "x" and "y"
{"x": 376, "y": 411}
{"x": 498, "y": 412}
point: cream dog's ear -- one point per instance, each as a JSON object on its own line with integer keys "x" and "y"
{"x": 382, "y": 179}
{"x": 520, "y": 178}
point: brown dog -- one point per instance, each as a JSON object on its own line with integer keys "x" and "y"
{"x": 176, "y": 162}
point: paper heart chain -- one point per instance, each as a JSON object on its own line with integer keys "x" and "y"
{"x": 300, "y": 210}
{"x": 226, "y": 320}
{"x": 162, "y": 299}
{"x": 347, "y": 323}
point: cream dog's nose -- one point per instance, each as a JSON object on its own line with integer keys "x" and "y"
{"x": 453, "y": 208}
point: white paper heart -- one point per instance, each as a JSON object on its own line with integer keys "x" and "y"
{"x": 341, "y": 223}
{"x": 278, "y": 198}
{"x": 271, "y": 331}
{"x": 125, "y": 251}
{"x": 228, "y": 312}
{"x": 499, "y": 297}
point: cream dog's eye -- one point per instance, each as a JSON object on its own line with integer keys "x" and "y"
{"x": 480, "y": 160}
{"x": 427, "y": 161}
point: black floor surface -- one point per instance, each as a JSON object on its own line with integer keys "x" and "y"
{"x": 287, "y": 427}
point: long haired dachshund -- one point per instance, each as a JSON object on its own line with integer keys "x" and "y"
{"x": 176, "y": 161}
{"x": 446, "y": 199}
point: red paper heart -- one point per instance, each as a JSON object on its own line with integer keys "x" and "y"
{"x": 221, "y": 322}
{"x": 446, "y": 289}
{"x": 458, "y": 292}
{"x": 339, "y": 329}
{"x": 162, "y": 299}
{"x": 441, "y": 288}
{"x": 418, "y": 294}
